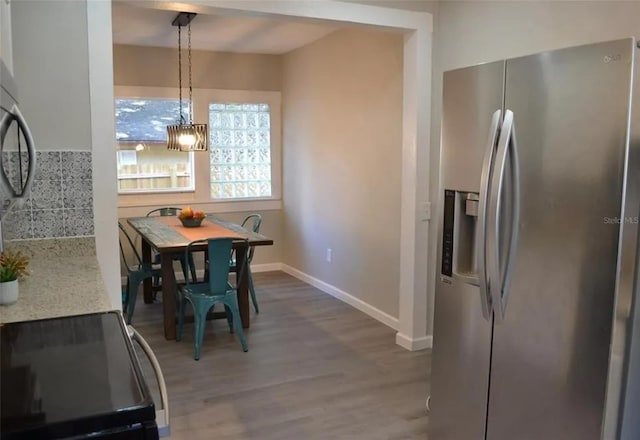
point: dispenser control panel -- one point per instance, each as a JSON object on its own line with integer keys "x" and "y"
{"x": 447, "y": 238}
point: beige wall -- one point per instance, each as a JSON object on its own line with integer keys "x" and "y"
{"x": 51, "y": 68}
{"x": 342, "y": 101}
{"x": 158, "y": 67}
{"x": 271, "y": 227}
{"x": 409, "y": 5}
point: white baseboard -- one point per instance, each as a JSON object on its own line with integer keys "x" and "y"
{"x": 375, "y": 313}
{"x": 416, "y": 344}
{"x": 266, "y": 267}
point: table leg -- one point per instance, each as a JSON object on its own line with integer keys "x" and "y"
{"x": 168, "y": 295}
{"x": 146, "y": 284}
{"x": 243, "y": 286}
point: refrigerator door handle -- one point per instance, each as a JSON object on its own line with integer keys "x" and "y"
{"x": 502, "y": 279}
{"x": 481, "y": 244}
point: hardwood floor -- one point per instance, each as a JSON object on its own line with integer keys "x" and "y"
{"x": 316, "y": 369}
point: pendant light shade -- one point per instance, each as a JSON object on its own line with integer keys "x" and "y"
{"x": 186, "y": 136}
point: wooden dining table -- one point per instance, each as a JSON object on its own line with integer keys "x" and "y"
{"x": 167, "y": 236}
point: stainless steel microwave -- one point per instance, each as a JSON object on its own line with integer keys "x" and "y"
{"x": 17, "y": 148}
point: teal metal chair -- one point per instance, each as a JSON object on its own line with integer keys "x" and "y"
{"x": 136, "y": 274}
{"x": 216, "y": 290}
{"x": 251, "y": 222}
{"x": 185, "y": 261}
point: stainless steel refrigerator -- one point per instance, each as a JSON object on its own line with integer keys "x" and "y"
{"x": 534, "y": 307}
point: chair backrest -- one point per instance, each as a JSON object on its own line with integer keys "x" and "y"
{"x": 252, "y": 222}
{"x": 167, "y": 211}
{"x": 219, "y": 250}
{"x": 131, "y": 246}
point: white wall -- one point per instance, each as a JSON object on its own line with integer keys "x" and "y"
{"x": 6, "y": 49}
{"x": 475, "y": 32}
{"x": 51, "y": 68}
{"x": 104, "y": 159}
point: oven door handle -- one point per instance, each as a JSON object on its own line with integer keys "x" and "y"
{"x": 164, "y": 429}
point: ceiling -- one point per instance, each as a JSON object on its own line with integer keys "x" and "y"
{"x": 151, "y": 27}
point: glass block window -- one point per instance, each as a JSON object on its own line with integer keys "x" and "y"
{"x": 240, "y": 157}
{"x": 144, "y": 163}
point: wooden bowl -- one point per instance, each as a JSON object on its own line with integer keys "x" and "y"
{"x": 191, "y": 222}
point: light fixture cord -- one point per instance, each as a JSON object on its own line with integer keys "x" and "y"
{"x": 180, "y": 71}
{"x": 190, "y": 87}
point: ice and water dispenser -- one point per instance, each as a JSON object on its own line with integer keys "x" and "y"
{"x": 459, "y": 243}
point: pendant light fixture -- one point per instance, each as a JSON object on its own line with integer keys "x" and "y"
{"x": 185, "y": 135}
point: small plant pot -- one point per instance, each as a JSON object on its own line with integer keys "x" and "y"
{"x": 191, "y": 222}
{"x": 9, "y": 292}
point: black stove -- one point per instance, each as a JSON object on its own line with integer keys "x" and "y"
{"x": 72, "y": 378}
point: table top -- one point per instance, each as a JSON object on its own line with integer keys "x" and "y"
{"x": 167, "y": 233}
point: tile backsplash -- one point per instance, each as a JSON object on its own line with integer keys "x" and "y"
{"x": 61, "y": 199}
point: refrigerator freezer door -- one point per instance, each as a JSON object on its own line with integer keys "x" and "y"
{"x": 550, "y": 354}
{"x": 462, "y": 335}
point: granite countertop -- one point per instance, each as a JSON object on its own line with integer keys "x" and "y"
{"x": 64, "y": 280}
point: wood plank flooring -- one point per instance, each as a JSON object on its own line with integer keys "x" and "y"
{"x": 316, "y": 369}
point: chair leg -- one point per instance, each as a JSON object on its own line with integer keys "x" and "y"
{"x": 183, "y": 265}
{"x": 155, "y": 280}
{"x": 205, "y": 278}
{"x": 252, "y": 290}
{"x": 192, "y": 268}
{"x": 200, "y": 318}
{"x": 237, "y": 322}
{"x": 181, "y": 301}
{"x": 229, "y": 315}
{"x": 134, "y": 284}
{"x": 125, "y": 298}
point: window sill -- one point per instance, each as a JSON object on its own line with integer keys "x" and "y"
{"x": 150, "y": 176}
{"x": 150, "y": 192}
{"x": 140, "y": 208}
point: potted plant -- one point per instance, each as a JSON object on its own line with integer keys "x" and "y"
{"x": 13, "y": 266}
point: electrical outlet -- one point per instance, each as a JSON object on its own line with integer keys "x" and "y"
{"x": 328, "y": 255}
